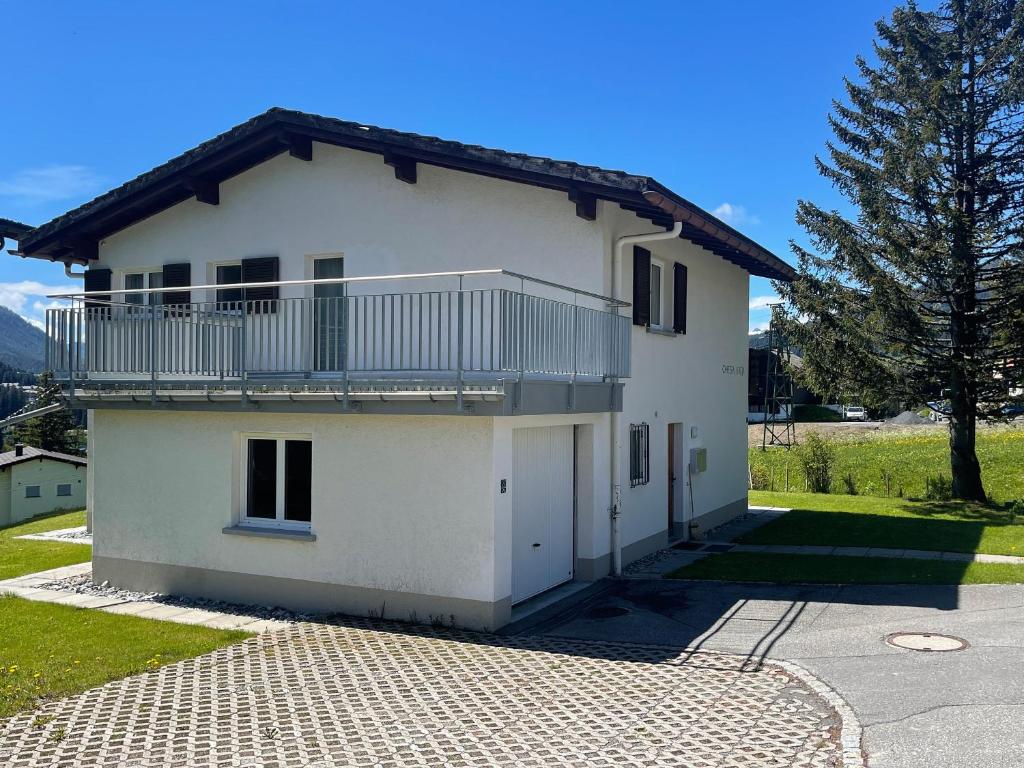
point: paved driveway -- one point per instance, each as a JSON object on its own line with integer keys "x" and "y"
{"x": 918, "y": 710}
{"x": 360, "y": 693}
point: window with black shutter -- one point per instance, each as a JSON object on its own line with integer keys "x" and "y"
{"x": 679, "y": 287}
{"x": 261, "y": 269}
{"x": 639, "y": 454}
{"x": 641, "y": 286}
{"x": 97, "y": 280}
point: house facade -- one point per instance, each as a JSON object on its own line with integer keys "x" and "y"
{"x": 336, "y": 367}
{"x": 37, "y": 482}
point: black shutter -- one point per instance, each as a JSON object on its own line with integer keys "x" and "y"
{"x": 97, "y": 280}
{"x": 262, "y": 269}
{"x": 177, "y": 276}
{"x": 641, "y": 286}
{"x": 679, "y": 298}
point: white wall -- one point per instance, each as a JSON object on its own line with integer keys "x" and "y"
{"x": 399, "y": 502}
{"x": 5, "y": 497}
{"x": 698, "y": 378}
{"x": 47, "y": 474}
{"x": 349, "y": 202}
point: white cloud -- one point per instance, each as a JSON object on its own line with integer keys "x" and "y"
{"x": 49, "y": 183}
{"x": 736, "y": 215}
{"x": 757, "y": 328}
{"x": 763, "y": 302}
{"x": 16, "y": 296}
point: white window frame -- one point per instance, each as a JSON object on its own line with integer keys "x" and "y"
{"x": 243, "y": 492}
{"x": 64, "y": 485}
{"x": 659, "y": 322}
{"x": 147, "y": 273}
{"x": 211, "y": 274}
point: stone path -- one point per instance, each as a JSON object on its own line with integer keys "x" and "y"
{"x": 33, "y": 587}
{"x": 77, "y": 535}
{"x": 362, "y": 693}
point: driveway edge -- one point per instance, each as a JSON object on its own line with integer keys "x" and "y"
{"x": 851, "y": 734}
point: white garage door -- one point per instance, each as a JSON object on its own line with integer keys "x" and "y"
{"x": 542, "y": 514}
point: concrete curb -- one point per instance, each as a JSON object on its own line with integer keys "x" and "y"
{"x": 851, "y": 734}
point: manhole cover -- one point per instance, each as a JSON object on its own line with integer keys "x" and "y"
{"x": 606, "y": 612}
{"x": 925, "y": 641}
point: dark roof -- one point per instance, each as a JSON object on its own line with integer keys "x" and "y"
{"x": 13, "y": 229}
{"x": 73, "y": 236}
{"x": 10, "y": 458}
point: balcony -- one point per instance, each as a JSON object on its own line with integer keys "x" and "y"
{"x": 494, "y": 350}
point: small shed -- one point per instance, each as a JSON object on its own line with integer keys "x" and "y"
{"x": 35, "y": 482}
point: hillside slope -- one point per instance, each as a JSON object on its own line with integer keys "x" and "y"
{"x": 21, "y": 343}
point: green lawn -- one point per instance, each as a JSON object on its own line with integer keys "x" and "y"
{"x": 52, "y": 651}
{"x": 869, "y": 521}
{"x": 822, "y": 569}
{"x": 909, "y": 457}
{"x": 18, "y": 557}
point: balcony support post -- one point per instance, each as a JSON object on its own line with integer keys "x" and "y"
{"x": 343, "y": 352}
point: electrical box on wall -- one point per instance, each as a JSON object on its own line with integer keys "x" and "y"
{"x": 698, "y": 460}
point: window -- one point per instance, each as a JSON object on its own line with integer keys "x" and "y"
{"x": 639, "y": 454}
{"x": 140, "y": 281}
{"x": 278, "y": 481}
{"x": 64, "y": 489}
{"x": 226, "y": 275}
{"x": 656, "y": 292}
{"x": 31, "y": 491}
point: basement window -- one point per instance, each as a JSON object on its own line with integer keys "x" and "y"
{"x": 277, "y": 481}
{"x": 639, "y": 454}
{"x": 32, "y": 492}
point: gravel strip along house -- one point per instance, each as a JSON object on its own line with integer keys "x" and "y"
{"x": 330, "y": 366}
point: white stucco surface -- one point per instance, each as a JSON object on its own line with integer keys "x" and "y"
{"x": 399, "y": 503}
{"x": 412, "y": 503}
{"x": 47, "y": 474}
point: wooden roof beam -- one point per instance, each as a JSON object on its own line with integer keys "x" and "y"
{"x": 405, "y": 167}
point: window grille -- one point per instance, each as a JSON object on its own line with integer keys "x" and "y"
{"x": 639, "y": 454}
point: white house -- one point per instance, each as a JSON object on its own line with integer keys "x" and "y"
{"x": 35, "y": 482}
{"x": 337, "y": 367}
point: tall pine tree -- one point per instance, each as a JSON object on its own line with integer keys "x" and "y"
{"x": 920, "y": 295}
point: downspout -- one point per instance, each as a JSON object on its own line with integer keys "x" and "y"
{"x": 68, "y": 267}
{"x": 615, "y": 507}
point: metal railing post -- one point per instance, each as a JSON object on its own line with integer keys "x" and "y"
{"x": 521, "y": 333}
{"x": 152, "y": 354}
{"x": 459, "y": 335}
{"x": 344, "y": 346}
{"x": 575, "y": 365}
{"x": 244, "y": 395}
{"x": 71, "y": 358}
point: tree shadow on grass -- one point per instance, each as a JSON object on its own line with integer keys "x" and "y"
{"x": 846, "y": 529}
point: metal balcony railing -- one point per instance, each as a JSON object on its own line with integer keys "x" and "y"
{"x": 464, "y": 337}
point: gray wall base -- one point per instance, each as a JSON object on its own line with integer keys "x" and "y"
{"x": 590, "y": 569}
{"x": 703, "y": 523}
{"x": 299, "y": 594}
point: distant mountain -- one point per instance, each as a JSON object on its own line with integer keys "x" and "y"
{"x": 21, "y": 343}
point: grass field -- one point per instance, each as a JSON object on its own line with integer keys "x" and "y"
{"x": 820, "y": 569}
{"x": 51, "y": 651}
{"x": 868, "y": 521}
{"x": 18, "y": 557}
{"x": 909, "y": 456}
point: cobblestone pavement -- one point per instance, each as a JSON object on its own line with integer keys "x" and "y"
{"x": 359, "y": 693}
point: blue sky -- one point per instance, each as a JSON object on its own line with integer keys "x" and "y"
{"x": 723, "y": 102}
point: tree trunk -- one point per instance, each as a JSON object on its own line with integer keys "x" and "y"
{"x": 963, "y": 458}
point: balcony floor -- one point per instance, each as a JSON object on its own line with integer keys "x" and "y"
{"x": 480, "y": 398}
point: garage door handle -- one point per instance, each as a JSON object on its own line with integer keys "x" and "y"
{"x": 536, "y": 543}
